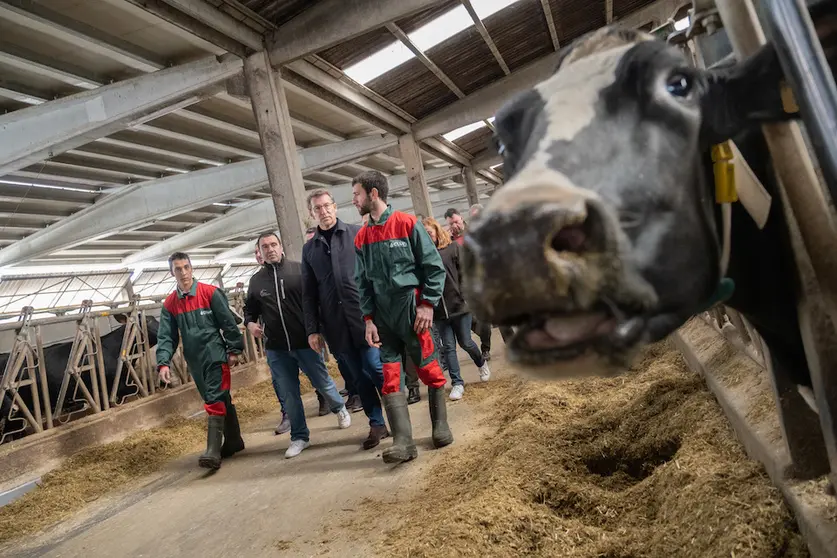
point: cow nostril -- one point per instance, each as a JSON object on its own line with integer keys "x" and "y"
{"x": 570, "y": 239}
{"x": 581, "y": 237}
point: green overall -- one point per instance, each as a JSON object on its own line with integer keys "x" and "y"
{"x": 398, "y": 268}
{"x": 197, "y": 318}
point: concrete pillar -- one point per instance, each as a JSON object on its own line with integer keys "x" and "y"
{"x": 284, "y": 174}
{"x": 471, "y": 186}
{"x": 411, "y": 155}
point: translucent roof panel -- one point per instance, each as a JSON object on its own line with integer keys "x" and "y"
{"x": 424, "y": 38}
{"x": 239, "y": 273}
{"x": 56, "y": 290}
{"x": 159, "y": 281}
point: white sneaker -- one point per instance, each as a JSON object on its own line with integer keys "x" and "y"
{"x": 457, "y": 392}
{"x": 296, "y": 448}
{"x": 485, "y": 373}
{"x": 344, "y": 419}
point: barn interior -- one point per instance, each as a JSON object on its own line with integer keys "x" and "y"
{"x": 131, "y": 129}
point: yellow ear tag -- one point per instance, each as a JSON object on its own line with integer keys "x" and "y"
{"x": 789, "y": 104}
{"x": 725, "y": 191}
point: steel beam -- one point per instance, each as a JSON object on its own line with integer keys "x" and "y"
{"x": 220, "y": 21}
{"x": 330, "y": 22}
{"x": 471, "y": 185}
{"x": 39, "y": 18}
{"x": 486, "y": 36}
{"x": 420, "y": 54}
{"x": 38, "y": 132}
{"x": 144, "y": 203}
{"x": 411, "y": 156}
{"x": 486, "y": 160}
{"x": 482, "y": 104}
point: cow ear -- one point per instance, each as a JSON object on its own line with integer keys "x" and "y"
{"x": 745, "y": 95}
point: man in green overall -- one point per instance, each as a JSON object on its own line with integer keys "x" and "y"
{"x": 197, "y": 314}
{"x": 400, "y": 277}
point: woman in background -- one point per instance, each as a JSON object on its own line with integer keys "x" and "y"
{"x": 451, "y": 314}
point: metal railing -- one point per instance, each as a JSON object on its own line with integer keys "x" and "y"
{"x": 87, "y": 386}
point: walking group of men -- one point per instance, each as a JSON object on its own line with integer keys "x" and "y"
{"x": 368, "y": 291}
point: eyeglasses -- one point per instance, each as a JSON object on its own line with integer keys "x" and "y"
{"x": 323, "y": 207}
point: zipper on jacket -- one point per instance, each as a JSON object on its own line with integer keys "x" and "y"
{"x": 445, "y": 307}
{"x": 279, "y": 303}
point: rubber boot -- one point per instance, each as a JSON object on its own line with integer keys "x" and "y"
{"x": 233, "y": 442}
{"x": 211, "y": 458}
{"x": 403, "y": 448}
{"x": 442, "y": 436}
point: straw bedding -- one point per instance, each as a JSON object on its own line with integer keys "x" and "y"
{"x": 641, "y": 465}
{"x": 94, "y": 472}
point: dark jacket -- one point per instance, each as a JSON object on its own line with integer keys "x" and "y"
{"x": 452, "y": 303}
{"x": 275, "y": 296}
{"x": 330, "y": 296}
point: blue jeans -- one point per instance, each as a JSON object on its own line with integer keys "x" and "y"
{"x": 455, "y": 330}
{"x": 284, "y": 369}
{"x": 367, "y": 375}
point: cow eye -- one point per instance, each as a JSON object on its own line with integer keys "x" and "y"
{"x": 679, "y": 85}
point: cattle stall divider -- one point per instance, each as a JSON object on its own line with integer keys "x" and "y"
{"x": 24, "y": 367}
{"x": 25, "y": 385}
{"x": 807, "y": 417}
{"x": 83, "y": 358}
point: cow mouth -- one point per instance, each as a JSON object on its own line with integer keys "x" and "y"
{"x": 556, "y": 337}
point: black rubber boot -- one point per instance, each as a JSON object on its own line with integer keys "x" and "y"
{"x": 324, "y": 408}
{"x": 442, "y": 436}
{"x": 211, "y": 458}
{"x": 403, "y": 448}
{"x": 233, "y": 442}
{"x": 414, "y": 395}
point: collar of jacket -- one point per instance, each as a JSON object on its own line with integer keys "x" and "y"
{"x": 338, "y": 226}
{"x": 192, "y": 291}
{"x": 384, "y": 216}
{"x": 277, "y": 265}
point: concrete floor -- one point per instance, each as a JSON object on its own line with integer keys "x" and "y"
{"x": 258, "y": 503}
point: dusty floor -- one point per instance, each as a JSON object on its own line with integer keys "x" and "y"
{"x": 258, "y": 504}
{"x": 336, "y": 500}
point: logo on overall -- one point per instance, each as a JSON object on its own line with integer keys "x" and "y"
{"x": 206, "y": 312}
{"x": 398, "y": 244}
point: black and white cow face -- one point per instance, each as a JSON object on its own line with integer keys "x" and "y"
{"x": 603, "y": 237}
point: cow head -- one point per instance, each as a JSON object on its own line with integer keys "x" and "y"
{"x": 603, "y": 237}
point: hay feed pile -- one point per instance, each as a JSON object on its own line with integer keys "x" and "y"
{"x": 642, "y": 465}
{"x": 97, "y": 471}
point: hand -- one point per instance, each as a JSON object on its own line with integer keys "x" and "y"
{"x": 315, "y": 341}
{"x": 424, "y": 318}
{"x": 165, "y": 374}
{"x": 372, "y": 334}
{"x": 255, "y": 330}
{"x": 232, "y": 360}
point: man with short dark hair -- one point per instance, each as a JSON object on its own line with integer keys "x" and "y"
{"x": 285, "y": 423}
{"x": 400, "y": 277}
{"x": 456, "y": 224}
{"x": 197, "y": 314}
{"x": 275, "y": 295}
{"x": 332, "y": 308}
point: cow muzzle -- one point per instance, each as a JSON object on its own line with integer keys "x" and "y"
{"x": 552, "y": 264}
